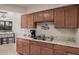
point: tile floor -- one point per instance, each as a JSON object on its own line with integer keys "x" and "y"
{"x": 8, "y": 49}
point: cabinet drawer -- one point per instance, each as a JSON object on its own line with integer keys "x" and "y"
{"x": 48, "y": 45}
{"x": 35, "y": 42}
{"x": 43, "y": 44}
{"x": 73, "y": 50}
{"x": 25, "y": 42}
{"x": 60, "y": 47}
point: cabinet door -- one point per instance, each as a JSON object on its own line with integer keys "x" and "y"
{"x": 30, "y": 21}
{"x": 73, "y": 50}
{"x": 71, "y": 53}
{"x": 46, "y": 51}
{"x": 71, "y": 16}
{"x": 25, "y": 47}
{"x": 35, "y": 17}
{"x": 48, "y": 15}
{"x": 60, "y": 49}
{"x": 38, "y": 17}
{"x": 78, "y": 15}
{"x": 51, "y": 15}
{"x": 24, "y": 21}
{"x": 59, "y": 18}
{"x": 19, "y": 46}
{"x": 34, "y": 50}
{"x": 59, "y": 52}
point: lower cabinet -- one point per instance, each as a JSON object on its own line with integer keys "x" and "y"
{"x": 71, "y": 54}
{"x": 60, "y": 49}
{"x": 72, "y": 50}
{"x": 34, "y": 50}
{"x": 25, "y": 47}
{"x": 59, "y": 52}
{"x": 40, "y": 48}
{"x": 29, "y": 47}
{"x": 46, "y": 51}
{"x": 19, "y": 46}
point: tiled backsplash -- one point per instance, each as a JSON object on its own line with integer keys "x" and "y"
{"x": 53, "y": 31}
{"x": 50, "y": 30}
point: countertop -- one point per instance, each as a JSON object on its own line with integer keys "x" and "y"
{"x": 55, "y": 41}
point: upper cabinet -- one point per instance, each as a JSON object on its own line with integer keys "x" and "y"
{"x": 24, "y": 23}
{"x": 59, "y": 18}
{"x": 38, "y": 17}
{"x": 66, "y": 17}
{"x": 71, "y": 16}
{"x": 48, "y": 15}
{"x": 63, "y": 17}
{"x": 27, "y": 21}
{"x": 30, "y": 21}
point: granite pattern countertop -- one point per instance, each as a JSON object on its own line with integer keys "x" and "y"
{"x": 55, "y": 41}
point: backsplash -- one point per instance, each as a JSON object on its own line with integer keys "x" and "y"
{"x": 47, "y": 28}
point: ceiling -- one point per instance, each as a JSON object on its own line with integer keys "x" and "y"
{"x": 27, "y": 8}
{"x": 24, "y": 5}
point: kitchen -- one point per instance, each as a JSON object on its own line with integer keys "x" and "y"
{"x": 50, "y": 29}
{"x": 52, "y": 32}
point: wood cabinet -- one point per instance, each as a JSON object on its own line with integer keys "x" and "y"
{"x": 30, "y": 21}
{"x": 71, "y": 53}
{"x": 66, "y": 17}
{"x": 25, "y": 47}
{"x": 59, "y": 20}
{"x": 24, "y": 21}
{"x": 29, "y": 47}
{"x": 78, "y": 15}
{"x": 44, "y": 16}
{"x": 48, "y": 45}
{"x": 48, "y": 15}
{"x": 46, "y": 51}
{"x": 34, "y": 50}
{"x": 72, "y": 50}
{"x": 63, "y": 17}
{"x": 22, "y": 46}
{"x": 65, "y": 50}
{"x": 60, "y": 49}
{"x": 38, "y": 17}
{"x": 46, "y": 48}
{"x": 41, "y": 48}
{"x": 19, "y": 46}
{"x": 59, "y": 52}
{"x": 71, "y": 16}
{"x": 27, "y": 21}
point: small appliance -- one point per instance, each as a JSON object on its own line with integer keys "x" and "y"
{"x": 33, "y": 33}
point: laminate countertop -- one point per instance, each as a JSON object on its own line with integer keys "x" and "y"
{"x": 55, "y": 41}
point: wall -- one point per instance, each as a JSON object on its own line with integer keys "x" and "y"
{"x": 16, "y": 19}
{"x": 77, "y": 35}
{"x": 53, "y": 31}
